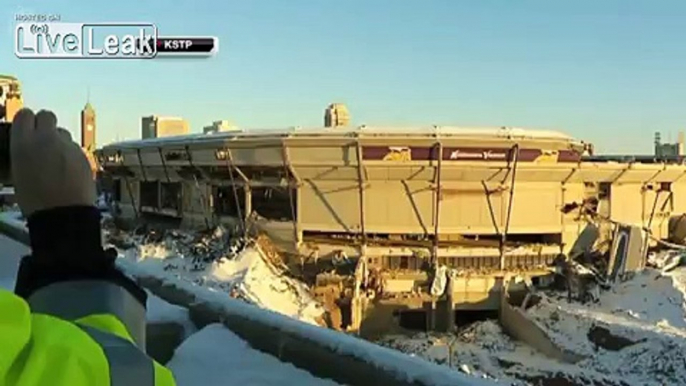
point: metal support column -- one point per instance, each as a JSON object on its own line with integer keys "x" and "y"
{"x": 649, "y": 226}
{"x": 288, "y": 168}
{"x": 145, "y": 178}
{"x": 133, "y": 200}
{"x": 362, "y": 180}
{"x": 140, "y": 163}
{"x": 232, "y": 168}
{"x": 503, "y": 240}
{"x": 437, "y": 203}
{"x": 494, "y": 220}
{"x": 164, "y": 164}
{"x": 203, "y": 200}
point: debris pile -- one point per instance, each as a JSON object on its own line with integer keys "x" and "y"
{"x": 220, "y": 260}
{"x": 633, "y": 333}
{"x": 616, "y": 311}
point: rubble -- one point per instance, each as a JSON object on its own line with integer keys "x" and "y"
{"x": 624, "y": 323}
{"x": 632, "y": 333}
{"x": 668, "y": 260}
{"x": 604, "y": 338}
{"x": 221, "y": 260}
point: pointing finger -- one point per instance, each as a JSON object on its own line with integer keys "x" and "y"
{"x": 46, "y": 120}
{"x": 64, "y": 134}
{"x": 24, "y": 119}
{"x": 24, "y": 122}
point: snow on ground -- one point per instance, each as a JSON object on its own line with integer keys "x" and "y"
{"x": 646, "y": 313}
{"x": 212, "y": 261}
{"x": 640, "y": 322}
{"x": 216, "y": 356}
{"x": 484, "y": 351}
{"x": 11, "y": 253}
{"x": 13, "y": 218}
{"x": 159, "y": 311}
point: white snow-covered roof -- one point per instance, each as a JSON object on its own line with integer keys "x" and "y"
{"x": 365, "y": 131}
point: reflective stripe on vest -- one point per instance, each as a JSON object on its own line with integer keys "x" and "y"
{"x": 94, "y": 297}
{"x": 128, "y": 365}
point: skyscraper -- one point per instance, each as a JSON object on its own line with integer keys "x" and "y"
{"x": 669, "y": 150}
{"x": 157, "y": 127}
{"x": 218, "y": 127}
{"x": 88, "y": 128}
{"x": 336, "y": 115}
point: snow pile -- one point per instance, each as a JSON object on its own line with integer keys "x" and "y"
{"x": 101, "y": 203}
{"x": 216, "y": 356}
{"x": 634, "y": 335}
{"x": 159, "y": 311}
{"x": 473, "y": 350}
{"x": 217, "y": 261}
{"x": 636, "y": 332}
{"x": 484, "y": 351}
{"x": 13, "y": 218}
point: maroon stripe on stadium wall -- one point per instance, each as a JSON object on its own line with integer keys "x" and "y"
{"x": 568, "y": 156}
{"x": 460, "y": 153}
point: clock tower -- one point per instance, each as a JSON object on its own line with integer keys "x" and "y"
{"x": 88, "y": 128}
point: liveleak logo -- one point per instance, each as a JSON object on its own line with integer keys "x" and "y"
{"x": 85, "y": 40}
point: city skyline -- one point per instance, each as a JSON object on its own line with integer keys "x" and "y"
{"x": 607, "y": 73}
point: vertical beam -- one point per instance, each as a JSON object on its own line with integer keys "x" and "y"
{"x": 164, "y": 164}
{"x": 131, "y": 197}
{"x": 230, "y": 165}
{"x": 513, "y": 168}
{"x": 158, "y": 208}
{"x": 297, "y": 235}
{"x": 140, "y": 162}
{"x": 203, "y": 202}
{"x": 646, "y": 241}
{"x": 563, "y": 198}
{"x": 145, "y": 178}
{"x": 494, "y": 219}
{"x": 361, "y": 179}
{"x": 246, "y": 184}
{"x": 248, "y": 201}
{"x": 437, "y": 202}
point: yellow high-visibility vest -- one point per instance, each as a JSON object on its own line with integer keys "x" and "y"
{"x": 44, "y": 342}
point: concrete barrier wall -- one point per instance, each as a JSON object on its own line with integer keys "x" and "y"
{"x": 325, "y": 353}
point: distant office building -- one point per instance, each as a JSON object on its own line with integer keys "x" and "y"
{"x": 336, "y": 115}
{"x": 663, "y": 150}
{"x": 158, "y": 127}
{"x": 10, "y": 98}
{"x": 219, "y": 126}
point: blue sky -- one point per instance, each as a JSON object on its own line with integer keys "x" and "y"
{"x": 611, "y": 72}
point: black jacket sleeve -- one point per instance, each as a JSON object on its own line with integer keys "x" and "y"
{"x": 66, "y": 245}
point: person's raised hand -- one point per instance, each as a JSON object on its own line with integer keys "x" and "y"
{"x": 49, "y": 170}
